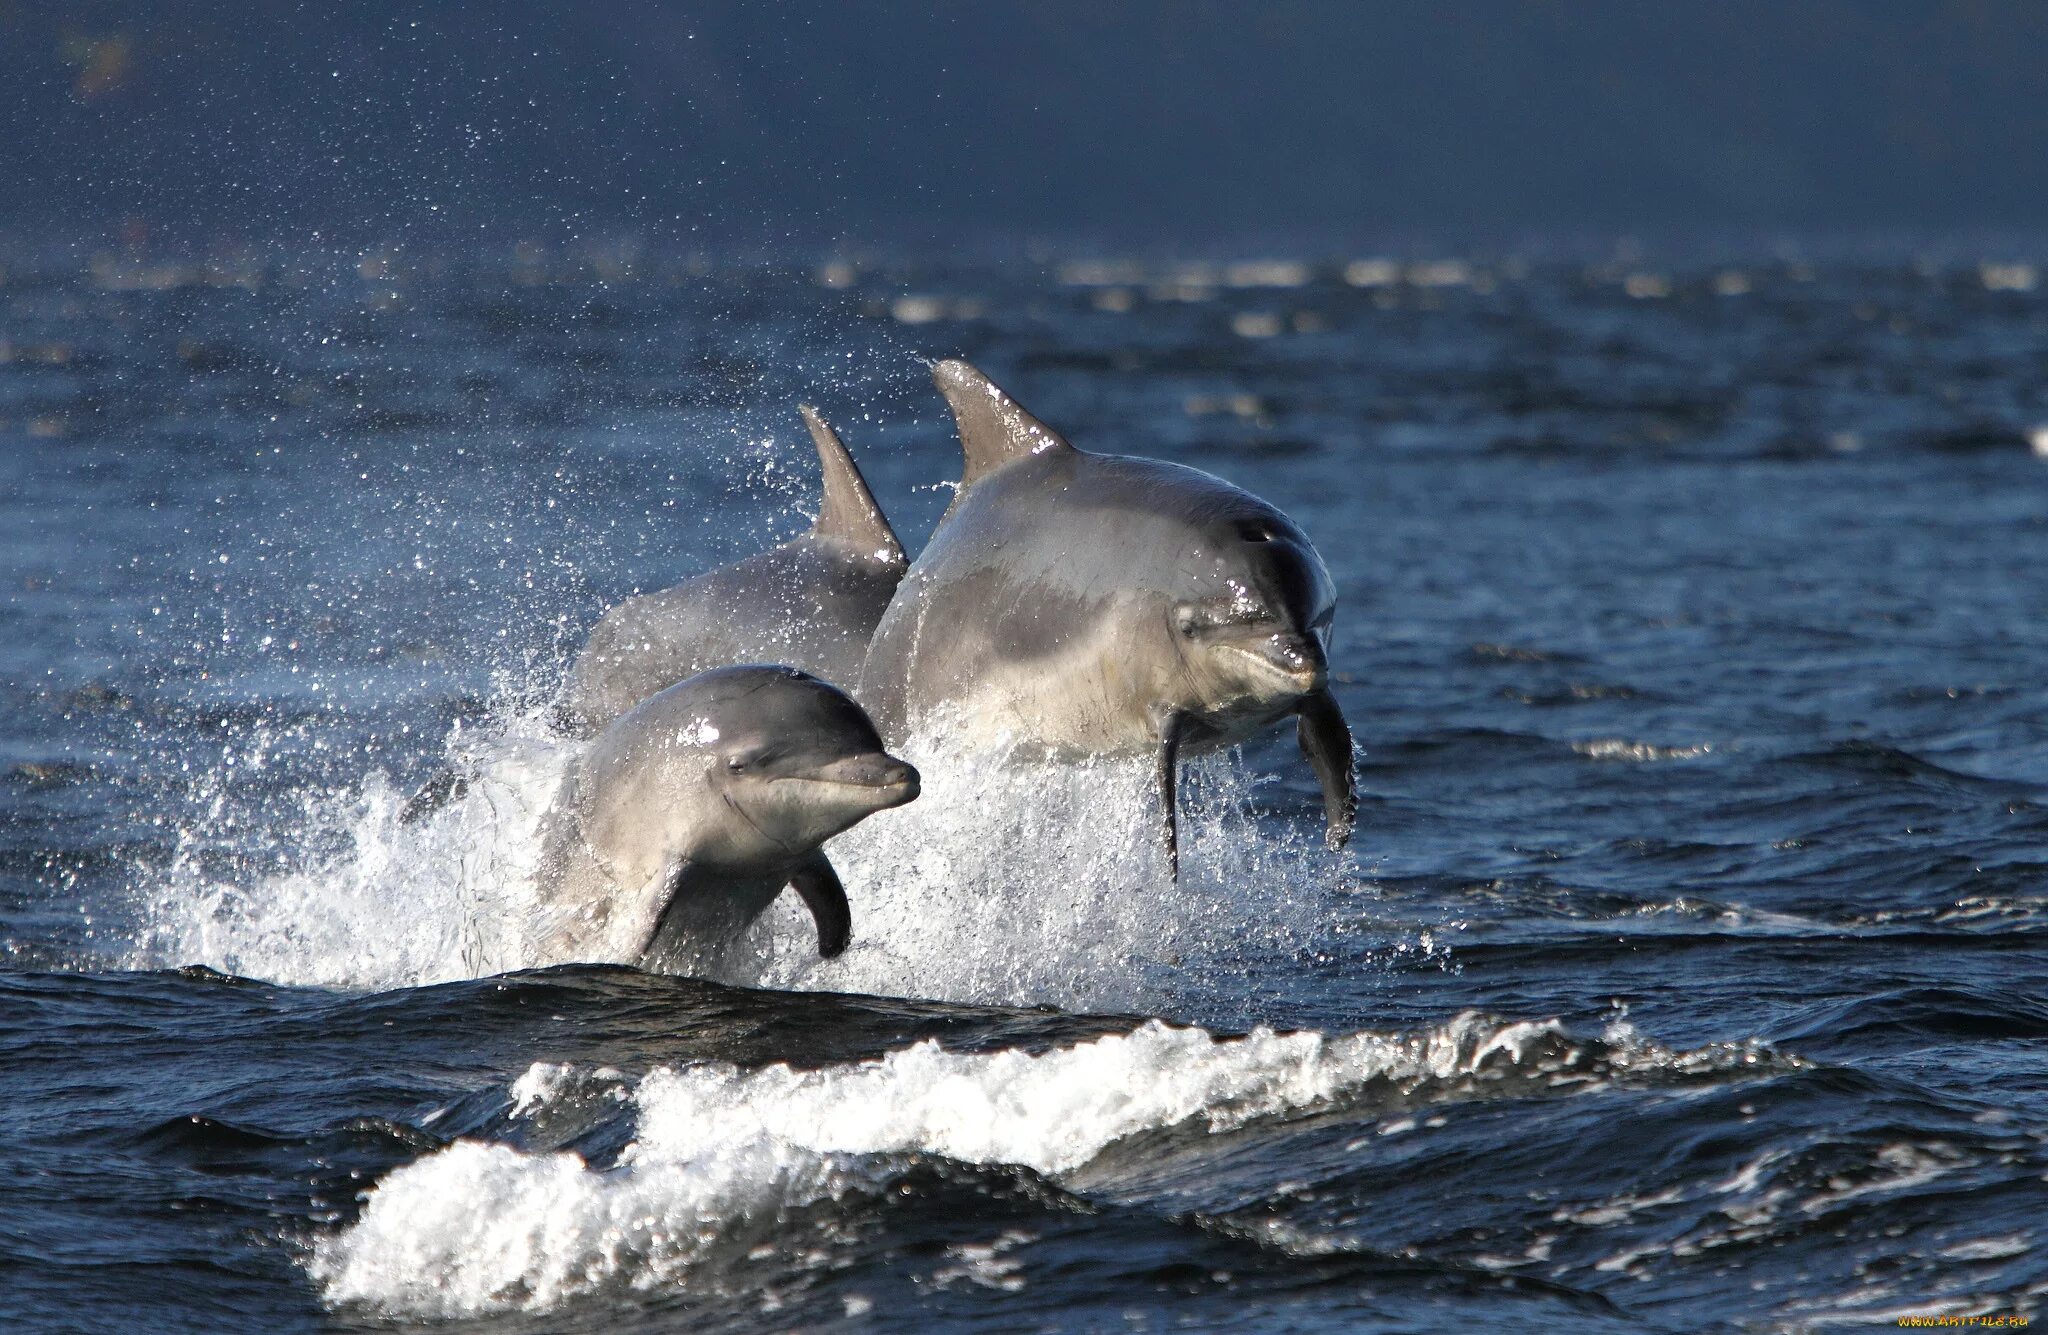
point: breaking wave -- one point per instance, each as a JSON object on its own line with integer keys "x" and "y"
{"x": 719, "y": 1154}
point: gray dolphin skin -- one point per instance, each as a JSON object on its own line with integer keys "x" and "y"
{"x": 1085, "y": 604}
{"x": 691, "y": 813}
{"x": 812, "y": 602}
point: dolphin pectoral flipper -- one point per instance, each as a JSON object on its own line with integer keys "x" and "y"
{"x": 1326, "y": 741}
{"x": 818, "y": 886}
{"x": 1171, "y": 729}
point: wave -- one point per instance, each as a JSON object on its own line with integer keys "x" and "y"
{"x": 719, "y": 1154}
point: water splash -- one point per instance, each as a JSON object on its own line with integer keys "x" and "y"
{"x": 1028, "y": 883}
{"x": 376, "y": 901}
{"x": 1004, "y": 883}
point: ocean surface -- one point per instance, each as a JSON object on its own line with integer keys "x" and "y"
{"x": 1688, "y": 972}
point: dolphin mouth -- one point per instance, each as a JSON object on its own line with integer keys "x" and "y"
{"x": 1294, "y": 664}
{"x": 889, "y": 782}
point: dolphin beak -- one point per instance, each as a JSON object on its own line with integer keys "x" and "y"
{"x": 890, "y": 782}
{"x": 1290, "y": 657}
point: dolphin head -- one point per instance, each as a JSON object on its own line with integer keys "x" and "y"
{"x": 1250, "y": 620}
{"x": 795, "y": 761}
{"x": 1248, "y": 612}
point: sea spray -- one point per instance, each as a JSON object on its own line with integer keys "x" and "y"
{"x": 370, "y": 899}
{"x": 1006, "y": 882}
{"x": 1027, "y": 883}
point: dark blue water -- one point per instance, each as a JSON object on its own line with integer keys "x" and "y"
{"x": 1687, "y": 973}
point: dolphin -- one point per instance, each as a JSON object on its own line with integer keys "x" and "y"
{"x": 812, "y": 602}
{"x": 690, "y": 813}
{"x": 1080, "y": 604}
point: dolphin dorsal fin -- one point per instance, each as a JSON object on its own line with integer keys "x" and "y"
{"x": 848, "y": 512}
{"x": 994, "y": 428}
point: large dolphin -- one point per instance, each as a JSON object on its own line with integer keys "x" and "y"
{"x": 1085, "y": 603}
{"x": 812, "y": 602}
{"x": 689, "y": 814}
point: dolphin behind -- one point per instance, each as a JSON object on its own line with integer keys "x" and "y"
{"x": 692, "y": 812}
{"x": 811, "y": 602}
{"x": 1089, "y": 604}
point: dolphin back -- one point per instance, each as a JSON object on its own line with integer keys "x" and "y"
{"x": 804, "y": 603}
{"x": 812, "y": 602}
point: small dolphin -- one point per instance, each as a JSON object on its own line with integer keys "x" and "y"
{"x": 812, "y": 602}
{"x": 1101, "y": 604}
{"x": 691, "y": 812}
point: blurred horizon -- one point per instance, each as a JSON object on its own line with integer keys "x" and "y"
{"x": 920, "y": 129}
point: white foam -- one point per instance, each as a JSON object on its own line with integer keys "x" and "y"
{"x": 1048, "y": 884}
{"x": 389, "y": 903}
{"x": 1618, "y": 748}
{"x": 721, "y": 1153}
{"x": 1001, "y": 884}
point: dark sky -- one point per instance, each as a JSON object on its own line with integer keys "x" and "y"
{"x": 940, "y": 123}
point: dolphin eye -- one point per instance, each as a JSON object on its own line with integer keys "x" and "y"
{"x": 1255, "y": 530}
{"x": 739, "y": 762}
{"x": 1187, "y": 621}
